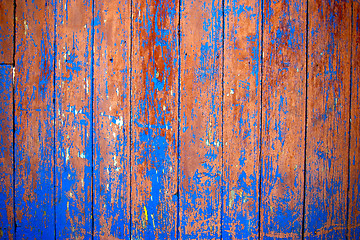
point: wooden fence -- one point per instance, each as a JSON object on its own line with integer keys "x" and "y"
{"x": 183, "y": 119}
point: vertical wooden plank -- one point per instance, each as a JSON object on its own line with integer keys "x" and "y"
{"x": 6, "y": 153}
{"x": 242, "y": 41}
{"x": 354, "y": 188}
{"x": 283, "y": 121}
{"x": 34, "y": 119}
{"x": 112, "y": 120}
{"x": 328, "y": 116}
{"x": 6, "y": 31}
{"x": 154, "y": 119}
{"x": 201, "y": 119}
{"x": 74, "y": 119}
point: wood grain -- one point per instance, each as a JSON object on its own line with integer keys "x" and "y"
{"x": 242, "y": 79}
{"x": 283, "y": 119}
{"x": 201, "y": 90}
{"x": 354, "y": 185}
{"x": 34, "y": 119}
{"x": 6, "y": 153}
{"x": 74, "y": 119}
{"x": 154, "y": 119}
{"x": 112, "y": 120}
{"x": 328, "y": 119}
{"x": 6, "y": 31}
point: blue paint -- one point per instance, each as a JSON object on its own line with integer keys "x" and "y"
{"x": 6, "y": 153}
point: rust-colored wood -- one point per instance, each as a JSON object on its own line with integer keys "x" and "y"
{"x": 34, "y": 119}
{"x": 112, "y": 120}
{"x": 154, "y": 119}
{"x": 74, "y": 119}
{"x": 201, "y": 119}
{"x": 283, "y": 119}
{"x": 6, "y": 153}
{"x": 354, "y": 185}
{"x": 6, "y": 31}
{"x": 327, "y": 119}
{"x": 242, "y": 79}
{"x": 179, "y": 119}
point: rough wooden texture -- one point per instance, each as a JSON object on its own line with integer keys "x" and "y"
{"x": 354, "y": 186}
{"x": 201, "y": 119}
{"x": 6, "y": 153}
{"x": 73, "y": 119}
{"x": 328, "y": 116}
{"x": 6, "y": 31}
{"x": 179, "y": 119}
{"x": 34, "y": 119}
{"x": 154, "y": 119}
{"x": 283, "y": 119}
{"x": 112, "y": 120}
{"x": 242, "y": 78}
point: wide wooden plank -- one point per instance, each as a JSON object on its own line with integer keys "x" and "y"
{"x": 201, "y": 119}
{"x": 242, "y": 79}
{"x": 6, "y": 153}
{"x": 283, "y": 119}
{"x": 73, "y": 124}
{"x": 327, "y": 119}
{"x": 34, "y": 119}
{"x": 6, "y": 31}
{"x": 154, "y": 119}
{"x": 112, "y": 120}
{"x": 354, "y": 185}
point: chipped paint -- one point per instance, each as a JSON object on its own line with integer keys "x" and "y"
{"x": 129, "y": 112}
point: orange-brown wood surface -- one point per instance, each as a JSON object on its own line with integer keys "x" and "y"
{"x": 112, "y": 119}
{"x": 354, "y": 184}
{"x": 283, "y": 119}
{"x": 201, "y": 53}
{"x": 242, "y": 102}
{"x": 6, "y": 31}
{"x": 327, "y": 119}
{"x": 73, "y": 123}
{"x": 34, "y": 120}
{"x": 201, "y": 119}
{"x": 154, "y": 108}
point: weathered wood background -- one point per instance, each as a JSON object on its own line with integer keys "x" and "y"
{"x": 183, "y": 119}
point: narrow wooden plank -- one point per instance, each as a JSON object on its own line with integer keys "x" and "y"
{"x": 283, "y": 119}
{"x": 6, "y": 31}
{"x": 154, "y": 119}
{"x": 328, "y": 116}
{"x": 73, "y": 119}
{"x": 201, "y": 119}
{"x": 242, "y": 41}
{"x": 112, "y": 120}
{"x": 34, "y": 119}
{"x": 6, "y": 153}
{"x": 354, "y": 187}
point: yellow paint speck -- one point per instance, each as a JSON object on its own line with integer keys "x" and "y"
{"x": 232, "y": 196}
{"x": 26, "y": 26}
{"x": 146, "y": 214}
